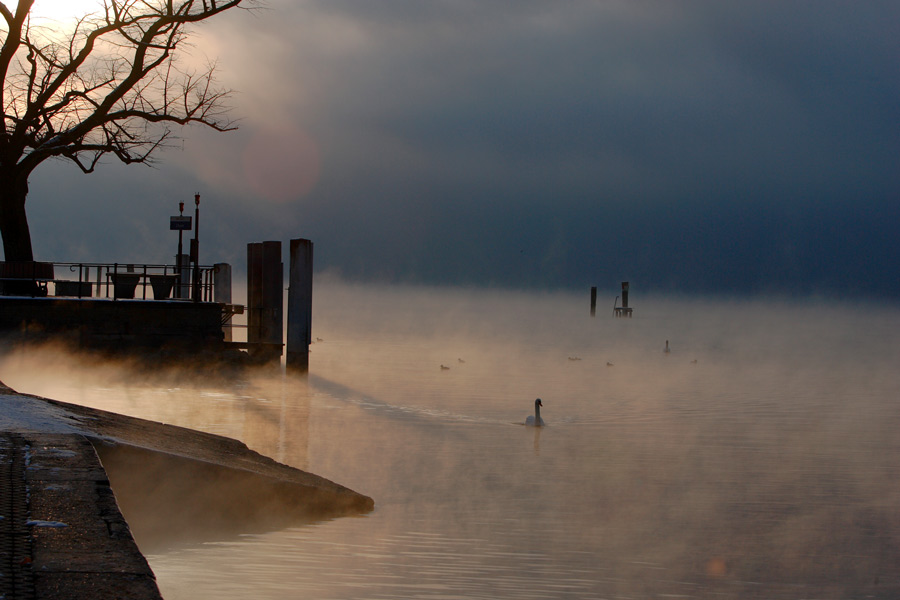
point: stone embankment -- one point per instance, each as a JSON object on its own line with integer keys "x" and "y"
{"x": 62, "y": 534}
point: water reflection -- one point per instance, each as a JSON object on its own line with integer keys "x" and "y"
{"x": 770, "y": 468}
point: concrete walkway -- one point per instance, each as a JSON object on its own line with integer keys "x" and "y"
{"x": 16, "y": 579}
{"x": 62, "y": 535}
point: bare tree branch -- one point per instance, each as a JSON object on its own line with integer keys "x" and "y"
{"x": 110, "y": 85}
{"x": 116, "y": 68}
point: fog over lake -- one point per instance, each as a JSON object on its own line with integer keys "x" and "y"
{"x": 758, "y": 458}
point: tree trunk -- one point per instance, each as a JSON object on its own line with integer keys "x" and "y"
{"x": 13, "y": 221}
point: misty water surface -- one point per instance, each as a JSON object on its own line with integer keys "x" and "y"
{"x": 758, "y": 459}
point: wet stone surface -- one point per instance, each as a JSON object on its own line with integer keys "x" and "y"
{"x": 62, "y": 533}
{"x": 16, "y": 580}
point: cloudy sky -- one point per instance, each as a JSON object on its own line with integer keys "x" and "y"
{"x": 741, "y": 147}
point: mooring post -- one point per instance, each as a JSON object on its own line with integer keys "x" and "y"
{"x": 222, "y": 292}
{"x": 299, "y": 322}
{"x": 265, "y": 299}
{"x": 254, "y": 291}
{"x": 593, "y": 300}
{"x": 273, "y": 297}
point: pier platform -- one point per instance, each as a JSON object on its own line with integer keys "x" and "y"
{"x": 68, "y": 474}
{"x": 118, "y": 325}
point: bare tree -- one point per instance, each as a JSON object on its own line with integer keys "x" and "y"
{"x": 110, "y": 84}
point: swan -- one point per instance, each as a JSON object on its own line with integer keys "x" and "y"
{"x": 536, "y": 420}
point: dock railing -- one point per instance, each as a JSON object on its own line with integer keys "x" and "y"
{"x": 116, "y": 281}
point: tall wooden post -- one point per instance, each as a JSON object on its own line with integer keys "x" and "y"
{"x": 593, "y": 300}
{"x": 272, "y": 318}
{"x": 265, "y": 300}
{"x": 299, "y": 323}
{"x": 254, "y": 291}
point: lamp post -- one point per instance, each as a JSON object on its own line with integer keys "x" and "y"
{"x": 180, "y": 251}
{"x": 180, "y": 224}
{"x": 195, "y": 251}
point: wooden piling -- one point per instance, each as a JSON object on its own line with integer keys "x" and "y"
{"x": 265, "y": 299}
{"x": 299, "y": 323}
{"x": 254, "y": 291}
{"x": 273, "y": 295}
{"x": 593, "y": 300}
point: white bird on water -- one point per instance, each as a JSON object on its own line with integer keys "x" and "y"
{"x": 535, "y": 420}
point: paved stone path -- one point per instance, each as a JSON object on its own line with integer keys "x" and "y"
{"x": 16, "y": 579}
{"x": 63, "y": 536}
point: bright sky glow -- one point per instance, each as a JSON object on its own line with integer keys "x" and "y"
{"x": 64, "y": 10}
{"x": 728, "y": 147}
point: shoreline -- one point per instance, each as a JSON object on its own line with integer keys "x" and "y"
{"x": 82, "y": 468}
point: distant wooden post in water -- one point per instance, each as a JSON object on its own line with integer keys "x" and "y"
{"x": 624, "y": 310}
{"x": 593, "y": 300}
{"x": 299, "y": 325}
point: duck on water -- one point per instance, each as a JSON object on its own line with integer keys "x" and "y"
{"x": 535, "y": 420}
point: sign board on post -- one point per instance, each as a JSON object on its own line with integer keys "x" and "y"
{"x": 180, "y": 223}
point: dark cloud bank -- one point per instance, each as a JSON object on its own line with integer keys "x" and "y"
{"x": 691, "y": 147}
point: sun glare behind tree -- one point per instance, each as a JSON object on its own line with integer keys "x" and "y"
{"x": 64, "y": 12}
{"x": 111, "y": 85}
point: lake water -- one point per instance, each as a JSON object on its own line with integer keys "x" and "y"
{"x": 759, "y": 458}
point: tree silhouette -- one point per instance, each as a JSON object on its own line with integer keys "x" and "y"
{"x": 108, "y": 84}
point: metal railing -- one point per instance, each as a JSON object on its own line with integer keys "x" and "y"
{"x": 117, "y": 281}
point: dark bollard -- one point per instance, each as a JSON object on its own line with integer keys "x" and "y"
{"x": 254, "y": 291}
{"x": 265, "y": 300}
{"x": 272, "y": 321}
{"x": 299, "y": 324}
